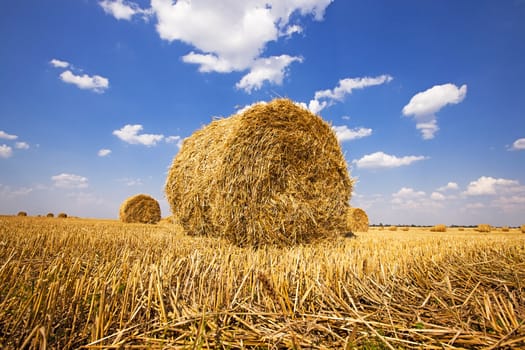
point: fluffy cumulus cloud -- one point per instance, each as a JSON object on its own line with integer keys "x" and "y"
{"x": 5, "y": 151}
{"x": 383, "y": 160}
{"x": 449, "y": 186}
{"x": 121, "y": 9}
{"x": 323, "y": 98}
{"x": 131, "y": 134}
{"x": 69, "y": 181}
{"x": 270, "y": 70}
{"x": 487, "y": 185}
{"x": 104, "y": 152}
{"x": 437, "y": 196}
{"x": 408, "y": 198}
{"x": 424, "y": 105}
{"x": 95, "y": 83}
{"x": 344, "y": 133}
{"x": 228, "y": 35}
{"x": 518, "y": 145}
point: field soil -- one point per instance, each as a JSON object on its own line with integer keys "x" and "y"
{"x": 69, "y": 283}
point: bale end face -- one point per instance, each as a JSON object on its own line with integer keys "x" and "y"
{"x": 140, "y": 208}
{"x": 274, "y": 174}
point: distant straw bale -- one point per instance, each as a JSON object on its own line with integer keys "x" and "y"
{"x": 439, "y": 228}
{"x": 357, "y": 220}
{"x": 21, "y": 213}
{"x": 274, "y": 174}
{"x": 50, "y": 215}
{"x": 140, "y": 208}
{"x": 62, "y": 215}
{"x": 522, "y": 228}
{"x": 484, "y": 228}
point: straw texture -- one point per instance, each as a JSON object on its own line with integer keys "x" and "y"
{"x": 357, "y": 220}
{"x": 274, "y": 174}
{"x": 140, "y": 208}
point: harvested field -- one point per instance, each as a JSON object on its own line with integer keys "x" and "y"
{"x": 75, "y": 283}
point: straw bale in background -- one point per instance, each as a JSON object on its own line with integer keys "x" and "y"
{"x": 140, "y": 208}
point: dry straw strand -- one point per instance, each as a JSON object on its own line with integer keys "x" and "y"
{"x": 140, "y": 208}
{"x": 274, "y": 174}
{"x": 357, "y": 220}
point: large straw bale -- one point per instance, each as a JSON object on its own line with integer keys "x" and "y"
{"x": 140, "y": 208}
{"x": 357, "y": 220}
{"x": 274, "y": 174}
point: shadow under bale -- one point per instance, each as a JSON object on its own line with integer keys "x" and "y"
{"x": 274, "y": 174}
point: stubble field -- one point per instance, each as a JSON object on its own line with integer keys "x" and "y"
{"x": 77, "y": 283}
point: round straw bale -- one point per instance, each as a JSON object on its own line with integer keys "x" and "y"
{"x": 62, "y": 215}
{"x": 22, "y": 213}
{"x": 140, "y": 208}
{"x": 357, "y": 220}
{"x": 274, "y": 174}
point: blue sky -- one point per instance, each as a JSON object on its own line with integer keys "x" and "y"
{"x": 427, "y": 97}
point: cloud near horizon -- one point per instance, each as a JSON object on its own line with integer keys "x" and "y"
{"x": 69, "y": 181}
{"x": 382, "y": 160}
{"x": 487, "y": 185}
{"x": 424, "y": 105}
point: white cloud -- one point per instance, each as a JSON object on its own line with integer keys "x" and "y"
{"x": 121, "y": 9}
{"x": 69, "y": 181}
{"x": 424, "y": 105}
{"x": 315, "y": 106}
{"x": 177, "y": 140}
{"x": 21, "y": 145}
{"x": 104, "y": 152}
{"x": 449, "y": 186}
{"x": 130, "y": 134}
{"x": 5, "y": 151}
{"x": 96, "y": 82}
{"x": 232, "y": 35}
{"x": 344, "y": 133}
{"x": 409, "y": 198}
{"x": 408, "y": 193}
{"x": 271, "y": 69}
{"x": 383, "y": 160}
{"x": 324, "y": 98}
{"x": 487, "y": 185}
{"x": 519, "y": 144}
{"x": 6, "y": 136}
{"x": 346, "y": 86}
{"x": 437, "y": 196}
{"x": 58, "y": 63}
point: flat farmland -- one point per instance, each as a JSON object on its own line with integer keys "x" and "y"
{"x": 100, "y": 284}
